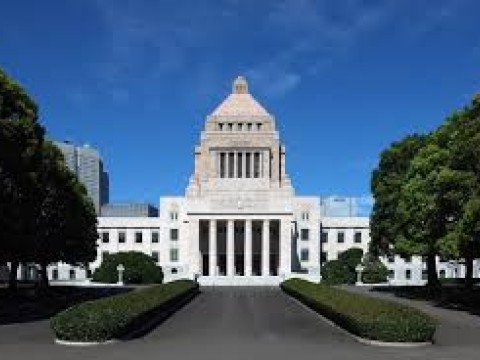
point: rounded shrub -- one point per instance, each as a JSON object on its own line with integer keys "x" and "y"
{"x": 374, "y": 272}
{"x": 335, "y": 272}
{"x": 139, "y": 269}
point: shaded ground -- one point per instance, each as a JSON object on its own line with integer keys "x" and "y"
{"x": 30, "y": 304}
{"x": 450, "y": 296}
{"x": 232, "y": 323}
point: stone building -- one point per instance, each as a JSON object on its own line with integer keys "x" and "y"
{"x": 240, "y": 221}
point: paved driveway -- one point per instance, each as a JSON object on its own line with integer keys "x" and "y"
{"x": 225, "y": 323}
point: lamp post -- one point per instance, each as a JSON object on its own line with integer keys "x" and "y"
{"x": 120, "y": 269}
{"x": 359, "y": 269}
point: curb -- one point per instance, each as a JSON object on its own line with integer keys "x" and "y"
{"x": 357, "y": 338}
{"x": 83, "y": 343}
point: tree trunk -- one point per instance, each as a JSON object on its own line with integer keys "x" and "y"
{"x": 43, "y": 276}
{"x": 469, "y": 268}
{"x": 12, "y": 275}
{"x": 433, "y": 282}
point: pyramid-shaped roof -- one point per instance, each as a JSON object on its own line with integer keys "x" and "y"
{"x": 240, "y": 102}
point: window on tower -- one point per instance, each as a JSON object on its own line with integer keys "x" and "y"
{"x": 256, "y": 164}
{"x": 222, "y": 164}
{"x": 239, "y": 164}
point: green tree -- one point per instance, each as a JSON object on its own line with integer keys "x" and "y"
{"x": 386, "y": 184}
{"x": 20, "y": 142}
{"x": 65, "y": 218}
{"x": 431, "y": 201}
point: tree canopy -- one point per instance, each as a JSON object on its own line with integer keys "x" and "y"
{"x": 45, "y": 214}
{"x": 426, "y": 190}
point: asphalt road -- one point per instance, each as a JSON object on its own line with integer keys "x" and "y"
{"x": 225, "y": 323}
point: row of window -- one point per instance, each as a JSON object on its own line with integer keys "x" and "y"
{"x": 408, "y": 274}
{"x": 239, "y": 164}
{"x": 230, "y": 126}
{"x": 154, "y": 254}
{"x": 138, "y": 235}
{"x": 357, "y": 237}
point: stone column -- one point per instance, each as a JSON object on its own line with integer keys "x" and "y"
{"x": 266, "y": 248}
{"x": 244, "y": 164}
{"x": 248, "y": 247}
{"x": 230, "y": 249}
{"x": 227, "y": 164}
{"x": 285, "y": 247}
{"x": 212, "y": 249}
{"x": 195, "y": 249}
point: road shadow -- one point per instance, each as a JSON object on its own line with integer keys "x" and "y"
{"x": 451, "y": 296}
{"x": 29, "y": 303}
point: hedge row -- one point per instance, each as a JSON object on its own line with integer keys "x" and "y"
{"x": 366, "y": 317}
{"x": 116, "y": 316}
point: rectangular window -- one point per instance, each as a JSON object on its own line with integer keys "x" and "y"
{"x": 155, "y": 256}
{"x": 408, "y": 274}
{"x": 391, "y": 274}
{"x": 121, "y": 237}
{"x": 173, "y": 234}
{"x": 407, "y": 258}
{"x": 72, "y": 274}
{"x": 138, "y": 237}
{"x": 55, "y": 274}
{"x": 88, "y": 273}
{"x": 259, "y": 126}
{"x": 173, "y": 215}
{"x": 173, "y": 255}
{"x": 105, "y": 237}
{"x": 256, "y": 165}
{"x": 324, "y": 237}
{"x": 304, "y": 255}
{"x": 341, "y": 237}
{"x": 391, "y": 258}
{"x": 239, "y": 164}
{"x": 323, "y": 257}
{"x": 442, "y": 274}
{"x": 304, "y": 234}
{"x": 154, "y": 237}
{"x": 248, "y": 158}
{"x": 222, "y": 164}
{"x": 358, "y": 237}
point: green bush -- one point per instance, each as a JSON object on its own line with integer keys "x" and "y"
{"x": 113, "y": 317}
{"x": 374, "y": 272}
{"x": 139, "y": 269}
{"x": 335, "y": 272}
{"x": 342, "y": 271}
{"x": 364, "y": 316}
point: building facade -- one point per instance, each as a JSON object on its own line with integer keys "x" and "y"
{"x": 87, "y": 164}
{"x": 240, "y": 221}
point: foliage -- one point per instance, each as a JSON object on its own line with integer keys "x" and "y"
{"x": 423, "y": 194}
{"x": 335, "y": 272}
{"x": 374, "y": 271}
{"x": 364, "y": 316}
{"x": 139, "y": 269}
{"x": 342, "y": 271}
{"x": 386, "y": 184}
{"x": 45, "y": 213}
{"x": 113, "y": 317}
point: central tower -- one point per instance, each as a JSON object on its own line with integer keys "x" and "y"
{"x": 240, "y": 152}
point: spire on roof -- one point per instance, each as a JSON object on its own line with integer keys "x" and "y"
{"x": 240, "y": 85}
{"x": 240, "y": 102}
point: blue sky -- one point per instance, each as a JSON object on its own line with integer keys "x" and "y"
{"x": 344, "y": 79}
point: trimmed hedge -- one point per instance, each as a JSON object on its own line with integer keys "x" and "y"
{"x": 116, "y": 316}
{"x": 364, "y": 316}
